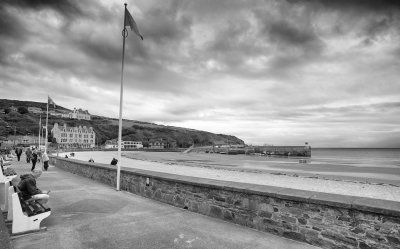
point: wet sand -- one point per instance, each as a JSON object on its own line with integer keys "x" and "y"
{"x": 263, "y": 171}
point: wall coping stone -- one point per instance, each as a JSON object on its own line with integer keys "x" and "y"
{"x": 386, "y": 207}
{"x": 5, "y": 240}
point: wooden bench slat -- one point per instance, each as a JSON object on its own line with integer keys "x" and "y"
{"x": 26, "y": 209}
{"x": 44, "y": 206}
{"x": 36, "y": 208}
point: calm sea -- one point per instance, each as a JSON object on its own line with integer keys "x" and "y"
{"x": 389, "y": 158}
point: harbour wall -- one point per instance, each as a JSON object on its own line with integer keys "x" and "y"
{"x": 302, "y": 151}
{"x": 325, "y": 220}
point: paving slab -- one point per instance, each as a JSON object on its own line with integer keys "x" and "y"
{"x": 88, "y": 214}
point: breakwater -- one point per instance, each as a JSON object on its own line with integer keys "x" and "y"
{"x": 299, "y": 151}
{"x": 325, "y": 220}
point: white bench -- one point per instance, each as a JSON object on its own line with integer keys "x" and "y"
{"x": 4, "y": 195}
{"x": 27, "y": 214}
{"x": 4, "y": 184}
{"x": 11, "y": 190}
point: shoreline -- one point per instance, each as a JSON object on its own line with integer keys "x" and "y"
{"x": 311, "y": 182}
{"x": 315, "y": 175}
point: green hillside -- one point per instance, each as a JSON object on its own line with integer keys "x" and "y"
{"x": 22, "y": 122}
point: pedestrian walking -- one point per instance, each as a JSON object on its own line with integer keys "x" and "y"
{"x": 34, "y": 159}
{"x": 28, "y": 154}
{"x": 46, "y": 159}
{"x": 18, "y": 151}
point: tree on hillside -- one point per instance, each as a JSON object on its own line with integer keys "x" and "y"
{"x": 7, "y": 110}
{"x": 22, "y": 110}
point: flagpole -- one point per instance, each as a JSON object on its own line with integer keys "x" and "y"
{"x": 124, "y": 35}
{"x": 47, "y": 120}
{"x": 40, "y": 126}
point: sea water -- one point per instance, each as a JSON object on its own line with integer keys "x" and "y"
{"x": 357, "y": 157}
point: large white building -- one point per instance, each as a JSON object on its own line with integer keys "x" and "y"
{"x": 77, "y": 114}
{"x": 113, "y": 144}
{"x": 74, "y": 137}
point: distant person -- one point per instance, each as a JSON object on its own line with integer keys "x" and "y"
{"x": 34, "y": 159}
{"x": 114, "y": 161}
{"x": 39, "y": 155}
{"x": 91, "y": 160}
{"x": 29, "y": 190}
{"x": 72, "y": 154}
{"x": 28, "y": 154}
{"x": 46, "y": 160}
{"x": 18, "y": 151}
{"x": 13, "y": 154}
{"x": 66, "y": 156}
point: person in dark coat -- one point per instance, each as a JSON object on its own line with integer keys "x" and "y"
{"x": 18, "y": 151}
{"x": 29, "y": 190}
{"x": 114, "y": 161}
{"x": 34, "y": 159}
{"x": 28, "y": 154}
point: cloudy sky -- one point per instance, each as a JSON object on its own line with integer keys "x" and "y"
{"x": 269, "y": 72}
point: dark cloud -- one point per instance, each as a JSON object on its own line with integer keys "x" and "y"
{"x": 357, "y": 5}
{"x": 286, "y": 34}
{"x": 165, "y": 24}
{"x": 12, "y": 33}
{"x": 231, "y": 47}
{"x": 64, "y": 7}
{"x": 376, "y": 27}
{"x": 99, "y": 49}
{"x": 10, "y": 26}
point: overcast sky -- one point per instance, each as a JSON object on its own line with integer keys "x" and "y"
{"x": 269, "y": 72}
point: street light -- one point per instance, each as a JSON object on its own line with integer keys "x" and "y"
{"x": 8, "y": 126}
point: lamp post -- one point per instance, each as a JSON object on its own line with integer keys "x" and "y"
{"x": 15, "y": 130}
{"x": 15, "y": 133}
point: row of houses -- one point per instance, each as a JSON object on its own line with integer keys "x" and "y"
{"x": 150, "y": 144}
{"x": 84, "y": 137}
{"x": 66, "y": 137}
{"x": 14, "y": 140}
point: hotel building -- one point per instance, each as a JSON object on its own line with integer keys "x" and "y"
{"x": 74, "y": 137}
{"x": 77, "y": 114}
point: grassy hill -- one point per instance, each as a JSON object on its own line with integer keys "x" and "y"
{"x": 105, "y": 128}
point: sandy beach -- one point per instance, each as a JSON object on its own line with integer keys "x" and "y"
{"x": 222, "y": 167}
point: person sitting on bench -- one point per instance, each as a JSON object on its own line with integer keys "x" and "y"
{"x": 114, "y": 161}
{"x": 29, "y": 190}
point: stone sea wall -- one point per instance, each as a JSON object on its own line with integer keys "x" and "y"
{"x": 324, "y": 220}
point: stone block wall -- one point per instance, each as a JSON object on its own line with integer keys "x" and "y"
{"x": 324, "y": 220}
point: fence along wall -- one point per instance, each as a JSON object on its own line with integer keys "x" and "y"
{"x": 324, "y": 220}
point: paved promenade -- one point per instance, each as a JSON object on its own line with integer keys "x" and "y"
{"x": 87, "y": 214}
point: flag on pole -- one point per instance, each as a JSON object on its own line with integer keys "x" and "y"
{"x": 130, "y": 22}
{"x": 50, "y": 101}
